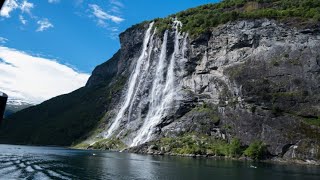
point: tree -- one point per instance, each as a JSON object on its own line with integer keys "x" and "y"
{"x": 235, "y": 149}
{"x": 257, "y": 150}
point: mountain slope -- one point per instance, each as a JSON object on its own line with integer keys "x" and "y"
{"x": 66, "y": 118}
{"x": 195, "y": 85}
{"x": 15, "y": 105}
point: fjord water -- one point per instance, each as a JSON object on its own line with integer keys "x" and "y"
{"x": 26, "y": 162}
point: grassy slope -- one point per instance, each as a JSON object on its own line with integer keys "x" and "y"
{"x": 201, "y": 19}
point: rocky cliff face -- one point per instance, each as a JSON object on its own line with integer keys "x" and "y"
{"x": 250, "y": 79}
{"x": 256, "y": 80}
{"x": 262, "y": 77}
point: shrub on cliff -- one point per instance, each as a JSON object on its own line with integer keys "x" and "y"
{"x": 235, "y": 149}
{"x": 200, "y": 19}
{"x": 256, "y": 150}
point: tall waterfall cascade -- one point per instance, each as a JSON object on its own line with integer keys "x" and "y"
{"x": 154, "y": 83}
{"x": 132, "y": 83}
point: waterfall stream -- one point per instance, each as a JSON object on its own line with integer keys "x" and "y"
{"x": 162, "y": 95}
{"x": 132, "y": 83}
{"x": 162, "y": 83}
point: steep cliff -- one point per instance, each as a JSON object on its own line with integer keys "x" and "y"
{"x": 170, "y": 90}
{"x": 256, "y": 80}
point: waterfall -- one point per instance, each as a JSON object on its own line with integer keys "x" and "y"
{"x": 153, "y": 86}
{"x": 162, "y": 92}
{"x": 132, "y": 83}
{"x": 142, "y": 78}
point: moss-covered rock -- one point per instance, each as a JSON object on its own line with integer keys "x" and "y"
{"x": 198, "y": 144}
{"x": 109, "y": 144}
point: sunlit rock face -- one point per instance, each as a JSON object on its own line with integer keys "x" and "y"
{"x": 259, "y": 79}
{"x": 248, "y": 79}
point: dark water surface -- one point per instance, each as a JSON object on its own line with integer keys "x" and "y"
{"x": 26, "y": 162}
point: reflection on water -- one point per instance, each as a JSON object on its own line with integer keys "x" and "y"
{"x": 25, "y": 162}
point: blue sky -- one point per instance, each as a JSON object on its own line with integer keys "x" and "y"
{"x": 75, "y": 36}
{"x": 50, "y": 47}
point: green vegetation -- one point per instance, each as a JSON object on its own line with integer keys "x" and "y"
{"x": 253, "y": 108}
{"x": 256, "y": 150}
{"x": 235, "y": 149}
{"x": 206, "y": 145}
{"x": 227, "y": 127}
{"x": 308, "y": 131}
{"x": 312, "y": 121}
{"x": 162, "y": 24}
{"x": 81, "y": 146}
{"x": 279, "y": 60}
{"x": 200, "y": 19}
{"x": 277, "y": 111}
{"x": 289, "y": 94}
{"x": 295, "y": 62}
{"x": 116, "y": 87}
{"x": 109, "y": 144}
{"x": 195, "y": 144}
{"x": 275, "y": 62}
{"x": 235, "y": 72}
{"x": 208, "y": 109}
{"x": 277, "y": 97}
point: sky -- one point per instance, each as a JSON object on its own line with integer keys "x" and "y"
{"x": 63, "y": 40}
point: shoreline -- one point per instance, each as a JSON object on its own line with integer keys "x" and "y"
{"x": 274, "y": 160}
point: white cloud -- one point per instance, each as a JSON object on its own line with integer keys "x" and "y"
{"x": 102, "y": 15}
{"x": 101, "y": 23}
{"x": 53, "y": 1}
{"x": 8, "y": 7}
{"x": 114, "y": 32}
{"x": 26, "y": 7}
{"x": 11, "y": 5}
{"x": 35, "y": 79}
{"x": 108, "y": 18}
{"x": 3, "y": 40}
{"x": 116, "y": 3}
{"x": 44, "y": 24}
{"x": 115, "y": 9}
{"x": 22, "y": 20}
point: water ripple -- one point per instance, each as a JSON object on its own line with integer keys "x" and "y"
{"x": 33, "y": 167}
{"x": 42, "y": 163}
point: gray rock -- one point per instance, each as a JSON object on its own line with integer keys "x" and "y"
{"x": 260, "y": 78}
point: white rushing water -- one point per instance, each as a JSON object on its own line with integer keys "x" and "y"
{"x": 132, "y": 84}
{"x": 144, "y": 73}
{"x": 162, "y": 92}
{"x": 153, "y": 85}
{"x": 155, "y": 96}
